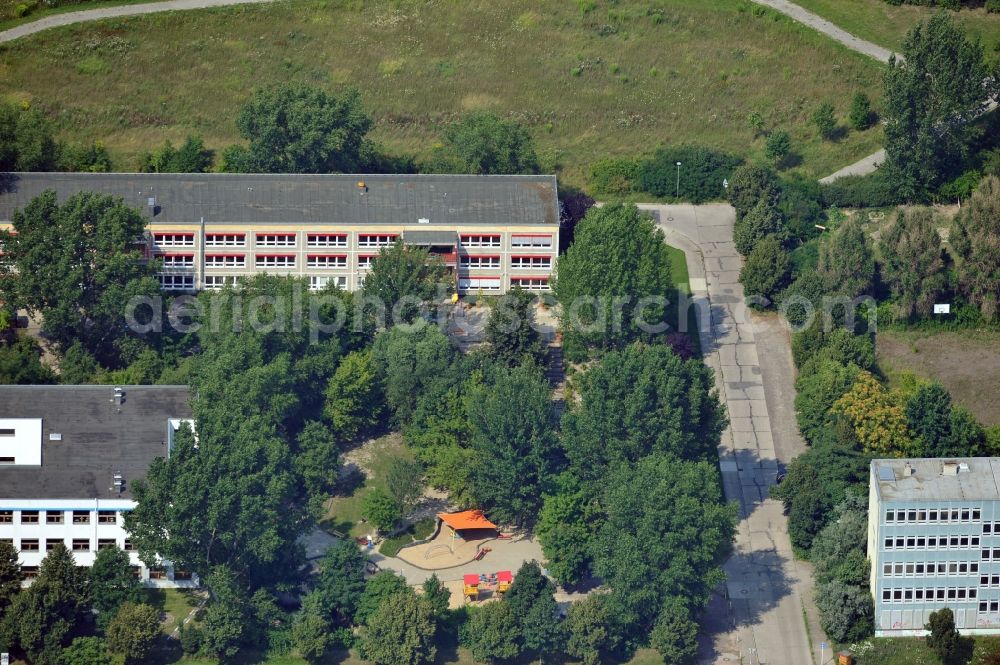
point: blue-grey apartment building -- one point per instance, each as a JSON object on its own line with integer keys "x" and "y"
{"x": 934, "y": 542}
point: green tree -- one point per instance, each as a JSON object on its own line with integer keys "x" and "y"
{"x": 762, "y": 221}
{"x": 531, "y": 598}
{"x": 642, "y": 400}
{"x": 294, "y": 128}
{"x": 26, "y": 140}
{"x": 381, "y": 509}
{"x": 511, "y": 331}
{"x": 20, "y": 363}
{"x": 411, "y": 364}
{"x": 767, "y": 271}
{"x": 86, "y": 651}
{"x": 914, "y": 265}
{"x": 592, "y": 630}
{"x": 620, "y": 254}
{"x": 861, "y": 112}
{"x": 437, "y": 594}
{"x": 975, "y": 240}
{"x": 404, "y": 481}
{"x": 111, "y": 582}
{"x": 944, "y": 638}
{"x": 191, "y": 157}
{"x": 845, "y": 611}
{"x": 565, "y": 524}
{"x": 311, "y": 631}
{"x": 816, "y": 392}
{"x": 10, "y": 575}
{"x": 675, "y": 634}
{"x": 516, "y": 449}
{"x": 353, "y": 396}
{"x": 379, "y": 588}
{"x": 223, "y": 629}
{"x": 317, "y": 462}
{"x": 928, "y": 416}
{"x": 78, "y": 366}
{"x": 133, "y": 630}
{"x": 751, "y": 183}
{"x": 483, "y": 143}
{"x": 400, "y": 632}
{"x": 492, "y": 633}
{"x": 846, "y": 261}
{"x": 78, "y": 265}
{"x": 341, "y": 582}
{"x": 402, "y": 278}
{"x": 661, "y": 494}
{"x": 778, "y": 146}
{"x": 931, "y": 97}
{"x": 825, "y": 121}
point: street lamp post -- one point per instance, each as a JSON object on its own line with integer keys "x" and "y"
{"x": 677, "y": 191}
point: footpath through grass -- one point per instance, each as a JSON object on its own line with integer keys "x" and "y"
{"x": 881, "y": 23}
{"x": 618, "y": 79}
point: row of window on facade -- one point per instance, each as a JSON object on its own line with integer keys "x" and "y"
{"x": 917, "y": 595}
{"x": 320, "y": 282}
{"x": 59, "y": 516}
{"x": 928, "y": 542}
{"x": 31, "y": 572}
{"x": 931, "y": 569}
{"x": 75, "y": 544}
{"x": 338, "y": 261}
{"x": 926, "y": 515}
{"x": 186, "y": 239}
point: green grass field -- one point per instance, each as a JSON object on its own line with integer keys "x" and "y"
{"x": 879, "y": 22}
{"x": 914, "y": 651}
{"x": 619, "y": 79}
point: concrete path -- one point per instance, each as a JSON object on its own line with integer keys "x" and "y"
{"x": 820, "y": 24}
{"x": 861, "y": 167}
{"x": 767, "y": 590}
{"x": 70, "y": 18}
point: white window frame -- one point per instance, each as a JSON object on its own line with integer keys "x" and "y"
{"x": 483, "y": 283}
{"x": 165, "y": 239}
{"x": 168, "y": 261}
{"x": 225, "y": 261}
{"x": 320, "y": 282}
{"x": 534, "y": 241}
{"x": 177, "y": 282}
{"x": 480, "y": 261}
{"x": 217, "y": 282}
{"x": 326, "y": 240}
{"x": 365, "y": 261}
{"x": 531, "y": 283}
{"x": 480, "y": 240}
{"x": 275, "y": 240}
{"x": 380, "y": 240}
{"x": 531, "y": 262}
{"x": 326, "y": 261}
{"x": 225, "y": 240}
{"x": 274, "y": 261}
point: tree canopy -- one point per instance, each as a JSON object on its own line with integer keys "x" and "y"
{"x": 483, "y": 143}
{"x": 976, "y": 241}
{"x": 914, "y": 263}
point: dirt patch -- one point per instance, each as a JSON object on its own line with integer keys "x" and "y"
{"x": 966, "y": 363}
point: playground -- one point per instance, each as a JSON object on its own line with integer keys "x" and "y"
{"x": 460, "y": 538}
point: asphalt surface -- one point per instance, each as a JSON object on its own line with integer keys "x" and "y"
{"x": 763, "y": 614}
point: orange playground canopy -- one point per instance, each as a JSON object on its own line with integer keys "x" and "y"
{"x": 468, "y": 519}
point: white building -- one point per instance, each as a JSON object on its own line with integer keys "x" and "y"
{"x": 68, "y": 457}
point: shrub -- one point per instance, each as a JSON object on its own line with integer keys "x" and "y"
{"x": 381, "y": 509}
{"x": 778, "y": 146}
{"x": 867, "y": 191}
{"x": 751, "y": 183}
{"x": 765, "y": 272}
{"x": 993, "y": 6}
{"x": 825, "y": 121}
{"x": 615, "y": 176}
{"x": 702, "y": 172}
{"x": 861, "y": 112}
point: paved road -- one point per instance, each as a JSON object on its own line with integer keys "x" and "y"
{"x": 69, "y": 18}
{"x": 768, "y": 593}
{"x": 829, "y": 29}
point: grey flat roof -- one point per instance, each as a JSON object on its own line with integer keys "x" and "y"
{"x": 230, "y": 198}
{"x": 425, "y": 238}
{"x": 99, "y": 438}
{"x": 928, "y": 483}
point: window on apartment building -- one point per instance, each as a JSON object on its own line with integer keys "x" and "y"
{"x": 54, "y": 517}
{"x": 531, "y": 283}
{"x": 320, "y": 282}
{"x": 176, "y": 260}
{"x": 128, "y": 545}
{"x": 920, "y": 569}
{"x": 136, "y": 572}
{"x": 954, "y": 515}
{"x": 174, "y": 239}
{"x": 921, "y": 515}
{"x": 890, "y": 516}
{"x": 531, "y": 240}
{"x": 952, "y": 568}
{"x": 985, "y": 555}
{"x": 531, "y": 262}
{"x": 29, "y": 517}
{"x": 176, "y": 282}
{"x": 984, "y": 580}
{"x": 81, "y": 517}
{"x": 973, "y": 567}
{"x": 887, "y": 569}
{"x": 6, "y": 516}
{"x": 365, "y": 261}
{"x": 479, "y": 283}
{"x": 275, "y": 261}
{"x": 81, "y": 544}
{"x": 326, "y": 261}
{"x": 911, "y": 543}
{"x": 977, "y": 514}
{"x": 987, "y": 527}
{"x": 888, "y": 543}
{"x": 157, "y": 574}
{"x": 29, "y": 572}
{"x": 225, "y": 240}
{"x": 941, "y": 568}
{"x": 897, "y": 594}
{"x": 918, "y": 594}
{"x": 220, "y": 281}
{"x": 105, "y": 542}
{"x": 479, "y": 261}
{"x": 909, "y": 569}
{"x": 480, "y": 240}
{"x": 326, "y": 240}
{"x": 955, "y": 541}
{"x": 933, "y": 516}
{"x": 983, "y": 605}
{"x": 275, "y": 240}
{"x": 996, "y": 527}
{"x": 886, "y": 595}
{"x": 907, "y": 595}
{"x": 921, "y": 542}
{"x": 107, "y": 517}
{"x": 50, "y": 543}
{"x": 225, "y": 261}
{"x": 376, "y": 240}
{"x": 973, "y": 593}
{"x": 182, "y": 575}
{"x": 29, "y": 544}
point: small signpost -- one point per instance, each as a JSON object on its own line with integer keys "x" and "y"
{"x": 725, "y": 183}
{"x": 4, "y": 659}
{"x": 944, "y": 308}
{"x": 822, "y": 652}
